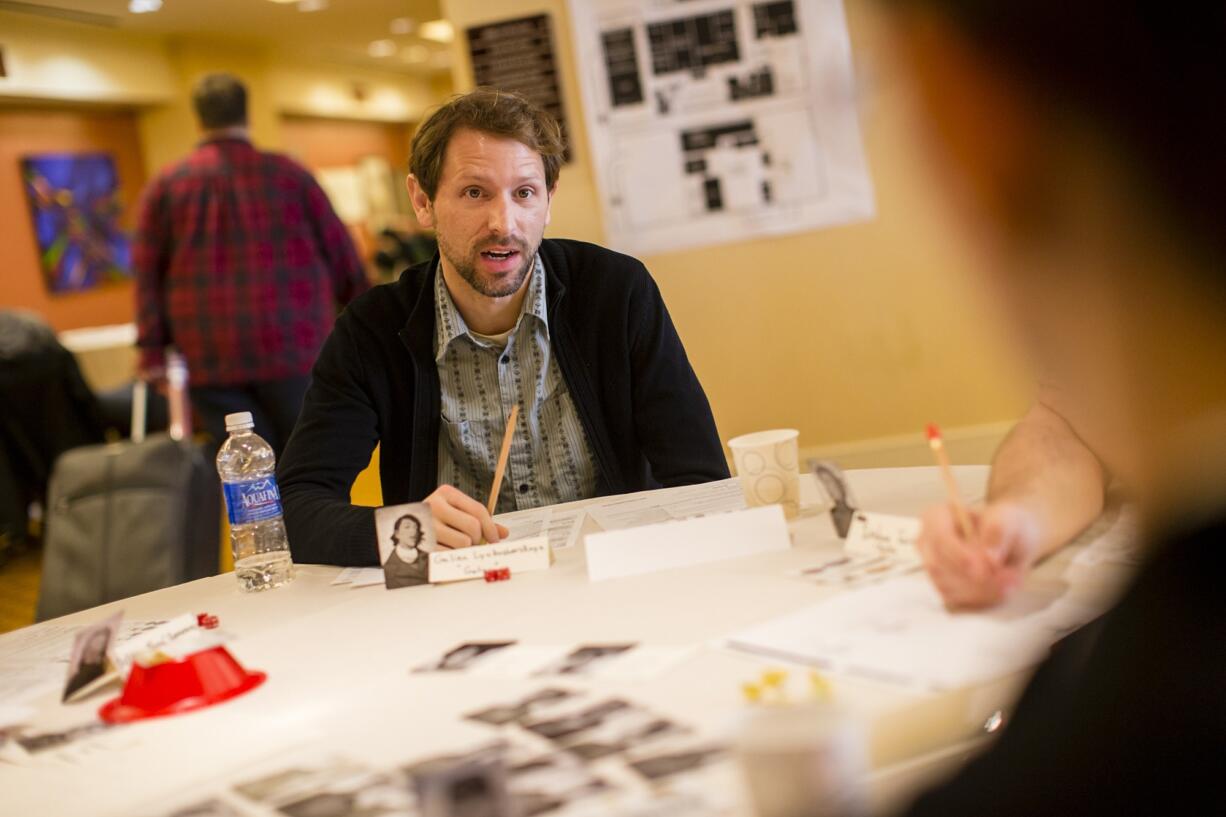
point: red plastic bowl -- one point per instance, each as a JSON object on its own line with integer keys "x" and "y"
{"x": 199, "y": 680}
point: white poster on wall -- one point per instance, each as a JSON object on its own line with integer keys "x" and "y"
{"x": 719, "y": 120}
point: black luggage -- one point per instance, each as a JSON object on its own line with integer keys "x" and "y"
{"x": 129, "y": 517}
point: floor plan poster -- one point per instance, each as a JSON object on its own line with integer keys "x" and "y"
{"x": 720, "y": 120}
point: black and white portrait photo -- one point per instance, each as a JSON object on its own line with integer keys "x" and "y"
{"x": 522, "y": 710}
{"x": 585, "y": 658}
{"x": 406, "y": 538}
{"x": 90, "y": 659}
{"x": 462, "y": 656}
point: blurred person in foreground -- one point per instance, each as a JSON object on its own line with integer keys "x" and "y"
{"x": 1086, "y": 146}
{"x": 240, "y": 263}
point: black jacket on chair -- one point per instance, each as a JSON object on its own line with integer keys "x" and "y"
{"x": 375, "y": 382}
{"x": 46, "y": 408}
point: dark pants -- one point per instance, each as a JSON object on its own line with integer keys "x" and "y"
{"x": 274, "y": 406}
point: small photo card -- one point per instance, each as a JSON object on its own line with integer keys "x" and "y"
{"x": 406, "y": 540}
{"x": 586, "y": 658}
{"x": 90, "y": 666}
{"x": 458, "y": 785}
{"x": 461, "y": 657}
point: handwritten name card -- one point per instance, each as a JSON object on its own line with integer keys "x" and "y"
{"x": 520, "y": 556}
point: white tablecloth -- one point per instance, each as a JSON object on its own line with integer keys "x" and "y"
{"x": 338, "y": 663}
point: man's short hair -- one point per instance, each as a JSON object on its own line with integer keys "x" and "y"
{"x": 500, "y": 113}
{"x": 220, "y": 101}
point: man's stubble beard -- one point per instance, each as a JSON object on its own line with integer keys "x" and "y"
{"x": 467, "y": 269}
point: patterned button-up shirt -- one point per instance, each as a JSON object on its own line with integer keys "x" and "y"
{"x": 551, "y": 460}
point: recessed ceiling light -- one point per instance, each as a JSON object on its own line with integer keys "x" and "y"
{"x": 441, "y": 31}
{"x": 312, "y": 5}
{"x": 402, "y": 25}
{"x": 143, "y": 6}
{"x": 381, "y": 48}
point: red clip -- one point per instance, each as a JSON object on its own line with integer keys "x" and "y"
{"x": 499, "y": 574}
{"x": 207, "y": 621}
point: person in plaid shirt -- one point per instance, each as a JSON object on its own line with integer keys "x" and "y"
{"x": 240, "y": 263}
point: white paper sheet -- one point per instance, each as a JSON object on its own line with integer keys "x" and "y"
{"x": 33, "y": 660}
{"x": 13, "y": 714}
{"x": 719, "y": 121}
{"x": 669, "y": 504}
{"x": 359, "y": 576}
{"x": 900, "y": 632}
{"x": 562, "y": 526}
{"x": 700, "y": 540}
{"x": 878, "y": 547}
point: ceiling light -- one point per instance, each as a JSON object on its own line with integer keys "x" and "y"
{"x": 402, "y": 25}
{"x": 381, "y": 48}
{"x": 415, "y": 53}
{"x": 441, "y": 31}
{"x": 143, "y": 6}
{"x": 312, "y": 5}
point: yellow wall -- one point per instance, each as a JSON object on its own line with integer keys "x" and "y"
{"x": 51, "y": 60}
{"x": 169, "y": 131}
{"x": 852, "y": 333}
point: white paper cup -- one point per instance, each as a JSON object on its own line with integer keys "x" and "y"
{"x": 767, "y": 463}
{"x": 805, "y": 760}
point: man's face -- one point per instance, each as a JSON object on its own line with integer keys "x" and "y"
{"x": 489, "y": 212}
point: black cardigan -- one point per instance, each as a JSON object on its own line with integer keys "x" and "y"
{"x": 640, "y": 403}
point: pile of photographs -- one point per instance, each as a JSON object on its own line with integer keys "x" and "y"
{"x": 622, "y": 660}
{"x": 651, "y": 745}
{"x": 559, "y": 753}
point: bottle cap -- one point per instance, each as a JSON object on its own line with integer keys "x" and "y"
{"x": 239, "y": 420}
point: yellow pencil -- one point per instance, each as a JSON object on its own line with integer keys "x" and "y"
{"x": 502, "y": 459}
{"x": 951, "y": 485}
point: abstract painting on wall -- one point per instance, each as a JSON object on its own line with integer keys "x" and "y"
{"x": 74, "y": 202}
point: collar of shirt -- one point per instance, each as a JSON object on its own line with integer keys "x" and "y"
{"x": 449, "y": 324}
{"x": 221, "y": 138}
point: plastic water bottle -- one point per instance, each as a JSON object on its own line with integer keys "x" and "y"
{"x": 247, "y": 467}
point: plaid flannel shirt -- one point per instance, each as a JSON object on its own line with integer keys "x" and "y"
{"x": 240, "y": 263}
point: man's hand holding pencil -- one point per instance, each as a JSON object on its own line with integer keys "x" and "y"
{"x": 975, "y": 557}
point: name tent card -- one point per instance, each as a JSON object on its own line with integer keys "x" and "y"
{"x": 872, "y": 534}
{"x": 519, "y": 556}
{"x": 668, "y": 545}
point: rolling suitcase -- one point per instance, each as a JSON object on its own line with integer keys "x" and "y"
{"x": 130, "y": 517}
